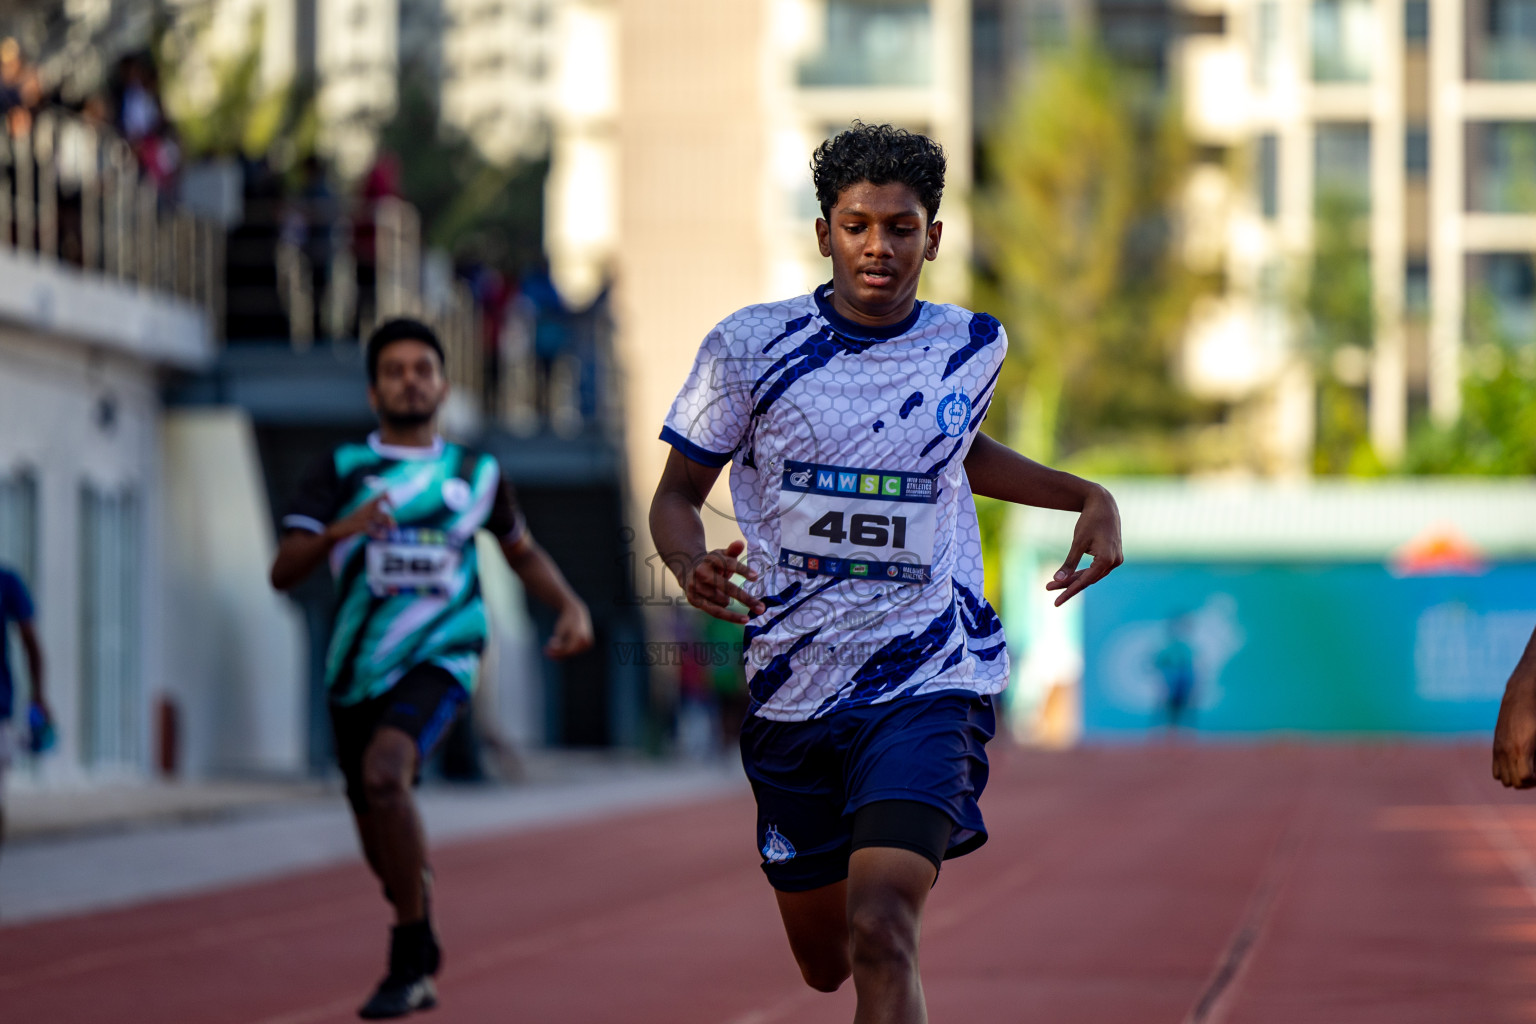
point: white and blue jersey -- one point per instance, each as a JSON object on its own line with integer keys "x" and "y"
{"x": 847, "y": 447}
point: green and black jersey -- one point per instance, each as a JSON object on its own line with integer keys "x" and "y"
{"x": 412, "y": 597}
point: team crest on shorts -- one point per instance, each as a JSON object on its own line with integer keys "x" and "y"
{"x": 954, "y": 413}
{"x": 776, "y": 849}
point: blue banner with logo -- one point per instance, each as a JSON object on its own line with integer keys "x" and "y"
{"x": 1342, "y": 648}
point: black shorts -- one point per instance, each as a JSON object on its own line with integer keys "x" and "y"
{"x": 423, "y": 704}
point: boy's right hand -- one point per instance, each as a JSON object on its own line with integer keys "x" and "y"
{"x": 709, "y": 587}
{"x": 373, "y": 518}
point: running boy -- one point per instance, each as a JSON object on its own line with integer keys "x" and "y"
{"x": 850, "y": 417}
{"x": 396, "y": 518}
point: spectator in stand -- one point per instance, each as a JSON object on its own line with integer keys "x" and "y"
{"x": 313, "y": 221}
{"x": 550, "y": 331}
{"x": 21, "y": 89}
{"x": 493, "y": 293}
{"x": 381, "y": 182}
{"x": 138, "y": 104}
{"x": 81, "y": 158}
{"x": 11, "y": 68}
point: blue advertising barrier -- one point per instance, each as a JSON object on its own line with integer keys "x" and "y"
{"x": 1308, "y": 647}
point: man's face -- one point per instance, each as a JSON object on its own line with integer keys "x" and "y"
{"x": 878, "y": 237}
{"x": 410, "y": 384}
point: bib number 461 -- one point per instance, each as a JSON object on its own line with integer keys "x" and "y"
{"x": 864, "y": 529}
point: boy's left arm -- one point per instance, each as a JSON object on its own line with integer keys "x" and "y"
{"x": 545, "y": 581}
{"x": 997, "y": 471}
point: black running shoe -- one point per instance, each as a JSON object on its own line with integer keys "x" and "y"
{"x": 413, "y": 958}
{"x": 396, "y": 997}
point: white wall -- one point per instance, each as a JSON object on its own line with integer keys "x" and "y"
{"x": 234, "y": 647}
{"x": 51, "y": 396}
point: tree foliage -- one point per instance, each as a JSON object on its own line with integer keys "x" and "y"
{"x": 473, "y": 208}
{"x": 1496, "y": 432}
{"x": 1078, "y": 223}
{"x": 241, "y": 115}
{"x": 1338, "y": 330}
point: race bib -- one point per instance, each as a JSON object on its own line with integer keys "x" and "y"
{"x": 858, "y": 523}
{"x": 412, "y": 561}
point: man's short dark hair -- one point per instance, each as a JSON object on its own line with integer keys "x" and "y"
{"x": 400, "y": 329}
{"x": 879, "y": 154}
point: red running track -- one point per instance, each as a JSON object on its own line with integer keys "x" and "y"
{"x": 1170, "y": 885}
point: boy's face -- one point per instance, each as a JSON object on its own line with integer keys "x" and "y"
{"x": 878, "y": 237}
{"x": 410, "y": 384}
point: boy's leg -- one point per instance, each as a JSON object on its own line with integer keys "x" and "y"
{"x": 393, "y": 839}
{"x": 816, "y": 923}
{"x": 887, "y": 887}
{"x": 867, "y": 926}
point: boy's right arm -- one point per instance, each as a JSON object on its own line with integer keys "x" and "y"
{"x": 678, "y": 533}
{"x": 302, "y": 550}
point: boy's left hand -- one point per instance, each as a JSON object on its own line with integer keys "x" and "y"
{"x": 1097, "y": 534}
{"x": 573, "y": 631}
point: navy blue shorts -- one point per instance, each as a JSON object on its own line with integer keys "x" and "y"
{"x": 810, "y": 777}
{"x": 423, "y": 704}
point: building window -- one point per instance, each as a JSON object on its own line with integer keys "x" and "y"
{"x": 1416, "y": 21}
{"x": 1266, "y": 44}
{"x": 18, "y": 524}
{"x": 111, "y": 705}
{"x": 1267, "y": 175}
{"x": 1416, "y": 151}
{"x": 1343, "y": 40}
{"x": 874, "y": 43}
{"x": 1501, "y": 40}
{"x": 1501, "y": 167}
{"x": 1342, "y": 165}
{"x": 1504, "y": 284}
{"x": 1416, "y": 287}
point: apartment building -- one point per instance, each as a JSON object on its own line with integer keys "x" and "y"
{"x": 686, "y": 175}
{"x": 486, "y": 63}
{"x": 1425, "y": 111}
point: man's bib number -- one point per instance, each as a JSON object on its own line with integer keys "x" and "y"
{"x": 858, "y": 523}
{"x": 412, "y": 562}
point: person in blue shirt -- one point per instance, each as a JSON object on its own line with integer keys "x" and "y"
{"x": 16, "y": 606}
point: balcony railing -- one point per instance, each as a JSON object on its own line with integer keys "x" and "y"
{"x": 72, "y": 191}
{"x": 321, "y": 272}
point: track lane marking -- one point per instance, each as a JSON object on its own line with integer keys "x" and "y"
{"x": 1216, "y": 998}
{"x": 1499, "y": 834}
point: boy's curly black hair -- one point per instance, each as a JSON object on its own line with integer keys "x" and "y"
{"x": 879, "y": 154}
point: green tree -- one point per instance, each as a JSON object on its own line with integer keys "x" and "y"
{"x": 241, "y": 115}
{"x": 1338, "y": 325}
{"x": 469, "y": 206}
{"x": 1496, "y": 432}
{"x": 1078, "y": 227}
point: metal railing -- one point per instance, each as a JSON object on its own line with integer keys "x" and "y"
{"x": 372, "y": 267}
{"x": 73, "y": 192}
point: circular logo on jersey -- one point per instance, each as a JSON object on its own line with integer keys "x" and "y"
{"x": 954, "y": 413}
{"x": 456, "y": 494}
